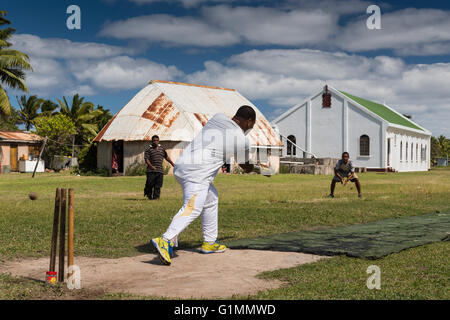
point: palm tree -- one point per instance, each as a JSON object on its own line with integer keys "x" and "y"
{"x": 12, "y": 122}
{"x": 444, "y": 145}
{"x": 29, "y": 110}
{"x": 13, "y": 63}
{"x": 48, "y": 108}
{"x": 103, "y": 118}
{"x": 82, "y": 114}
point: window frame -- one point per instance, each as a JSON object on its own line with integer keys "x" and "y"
{"x": 290, "y": 144}
{"x": 401, "y": 151}
{"x": 368, "y": 155}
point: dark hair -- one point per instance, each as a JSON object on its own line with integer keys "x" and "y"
{"x": 155, "y": 137}
{"x": 246, "y": 113}
{"x": 345, "y": 153}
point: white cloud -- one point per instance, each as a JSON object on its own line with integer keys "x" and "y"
{"x": 185, "y": 3}
{"x": 63, "y": 67}
{"x": 314, "y": 23}
{"x": 82, "y": 90}
{"x": 47, "y": 73}
{"x": 263, "y": 25}
{"x": 286, "y": 77}
{"x": 167, "y": 29}
{"x": 340, "y": 7}
{"x": 224, "y": 26}
{"x": 310, "y": 63}
{"x": 121, "y": 73}
{"x": 407, "y": 32}
{"x": 64, "y": 48}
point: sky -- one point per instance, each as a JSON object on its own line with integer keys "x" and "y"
{"x": 276, "y": 53}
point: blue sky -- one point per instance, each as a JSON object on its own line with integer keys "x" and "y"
{"x": 276, "y": 53}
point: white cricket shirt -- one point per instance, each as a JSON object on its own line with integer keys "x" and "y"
{"x": 220, "y": 139}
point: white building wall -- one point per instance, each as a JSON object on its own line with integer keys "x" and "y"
{"x": 399, "y": 139}
{"x": 360, "y": 123}
{"x": 333, "y": 130}
{"x": 295, "y": 124}
{"x": 327, "y": 132}
{"x": 327, "y": 127}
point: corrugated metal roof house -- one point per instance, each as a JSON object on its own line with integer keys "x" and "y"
{"x": 15, "y": 145}
{"x": 175, "y": 112}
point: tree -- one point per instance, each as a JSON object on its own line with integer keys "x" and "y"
{"x": 82, "y": 114}
{"x": 435, "y": 148}
{"x": 444, "y": 145}
{"x": 87, "y": 158}
{"x": 102, "y": 119}
{"x": 59, "y": 129}
{"x": 11, "y": 122}
{"x": 440, "y": 147}
{"x": 13, "y": 64}
{"x": 29, "y": 110}
{"x": 48, "y": 108}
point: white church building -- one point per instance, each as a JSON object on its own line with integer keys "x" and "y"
{"x": 376, "y": 136}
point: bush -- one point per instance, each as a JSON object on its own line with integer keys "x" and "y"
{"x": 95, "y": 172}
{"x": 284, "y": 168}
{"x": 136, "y": 169}
{"x": 87, "y": 158}
{"x": 166, "y": 169}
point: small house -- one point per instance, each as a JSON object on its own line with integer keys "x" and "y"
{"x": 18, "y": 151}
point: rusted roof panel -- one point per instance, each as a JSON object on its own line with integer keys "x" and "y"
{"x": 19, "y": 136}
{"x": 177, "y": 112}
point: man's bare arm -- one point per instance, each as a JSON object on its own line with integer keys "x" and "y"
{"x": 169, "y": 161}
{"x": 350, "y": 176}
{"x": 337, "y": 174}
{"x": 147, "y": 161}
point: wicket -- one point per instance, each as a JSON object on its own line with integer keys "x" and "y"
{"x": 59, "y": 217}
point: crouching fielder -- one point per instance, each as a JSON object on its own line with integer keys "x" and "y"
{"x": 195, "y": 169}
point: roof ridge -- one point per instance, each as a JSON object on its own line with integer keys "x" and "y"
{"x": 190, "y": 84}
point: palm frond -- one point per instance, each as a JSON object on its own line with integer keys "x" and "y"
{"x": 14, "y": 59}
{"x": 92, "y": 128}
{"x": 3, "y": 20}
{"x": 89, "y": 116}
{"x": 86, "y": 107}
{"x": 5, "y": 105}
{"x": 12, "y": 80}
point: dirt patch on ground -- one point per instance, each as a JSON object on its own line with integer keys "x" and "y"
{"x": 191, "y": 275}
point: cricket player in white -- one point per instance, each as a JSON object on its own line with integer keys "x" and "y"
{"x": 195, "y": 169}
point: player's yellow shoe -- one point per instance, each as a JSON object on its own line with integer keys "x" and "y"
{"x": 163, "y": 248}
{"x": 212, "y": 248}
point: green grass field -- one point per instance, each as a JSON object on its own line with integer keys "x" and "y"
{"x": 113, "y": 219}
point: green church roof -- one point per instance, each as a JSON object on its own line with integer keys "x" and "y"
{"x": 383, "y": 111}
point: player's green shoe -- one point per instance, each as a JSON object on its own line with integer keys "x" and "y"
{"x": 163, "y": 248}
{"x": 212, "y": 248}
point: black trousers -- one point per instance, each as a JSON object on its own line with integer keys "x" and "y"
{"x": 153, "y": 185}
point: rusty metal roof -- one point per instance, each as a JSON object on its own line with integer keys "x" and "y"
{"x": 177, "y": 111}
{"x": 19, "y": 136}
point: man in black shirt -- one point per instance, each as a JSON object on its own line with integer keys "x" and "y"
{"x": 154, "y": 156}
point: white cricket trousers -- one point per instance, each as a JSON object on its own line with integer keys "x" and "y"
{"x": 198, "y": 199}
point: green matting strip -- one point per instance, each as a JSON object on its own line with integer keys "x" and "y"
{"x": 371, "y": 240}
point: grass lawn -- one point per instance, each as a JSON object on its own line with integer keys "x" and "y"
{"x": 114, "y": 220}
